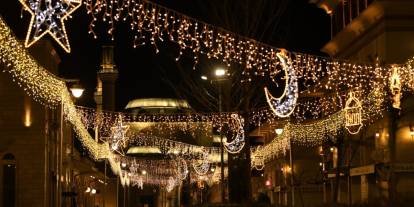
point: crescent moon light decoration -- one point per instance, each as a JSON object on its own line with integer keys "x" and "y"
{"x": 202, "y": 166}
{"x": 237, "y": 144}
{"x": 182, "y": 169}
{"x": 170, "y": 184}
{"x": 285, "y": 104}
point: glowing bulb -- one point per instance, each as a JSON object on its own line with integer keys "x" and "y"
{"x": 268, "y": 183}
{"x": 77, "y": 90}
{"x": 93, "y": 191}
{"x": 279, "y": 131}
{"x": 220, "y": 72}
{"x": 123, "y": 164}
{"x": 204, "y": 77}
{"x": 332, "y": 149}
{"x": 144, "y": 172}
{"x": 377, "y": 135}
{"x": 88, "y": 189}
{"x": 212, "y": 169}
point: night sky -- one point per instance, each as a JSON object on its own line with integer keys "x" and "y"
{"x": 291, "y": 24}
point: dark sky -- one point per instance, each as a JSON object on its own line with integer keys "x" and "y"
{"x": 291, "y": 24}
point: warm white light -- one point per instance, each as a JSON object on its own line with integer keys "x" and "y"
{"x": 220, "y": 72}
{"x": 279, "y": 131}
{"x": 27, "y": 112}
{"x": 93, "y": 191}
{"x": 77, "y": 92}
{"x": 332, "y": 149}
{"x": 377, "y": 135}
{"x": 144, "y": 172}
{"x": 320, "y": 164}
{"x": 212, "y": 169}
{"x": 268, "y": 183}
{"x": 123, "y": 164}
{"x": 204, "y": 77}
{"x": 88, "y": 189}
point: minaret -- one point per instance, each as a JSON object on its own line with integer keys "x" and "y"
{"x": 107, "y": 76}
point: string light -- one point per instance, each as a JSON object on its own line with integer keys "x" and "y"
{"x": 152, "y": 23}
{"x": 369, "y": 81}
{"x": 48, "y": 18}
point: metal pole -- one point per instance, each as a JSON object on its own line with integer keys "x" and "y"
{"x": 221, "y": 149}
{"x": 59, "y": 157}
{"x": 117, "y": 192}
{"x": 291, "y": 174}
{"x": 104, "y": 195}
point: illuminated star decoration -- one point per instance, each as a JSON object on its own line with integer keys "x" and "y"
{"x": 48, "y": 16}
{"x": 117, "y": 139}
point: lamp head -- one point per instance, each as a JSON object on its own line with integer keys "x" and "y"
{"x": 77, "y": 90}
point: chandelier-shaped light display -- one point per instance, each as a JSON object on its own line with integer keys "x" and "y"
{"x": 48, "y": 17}
{"x": 285, "y": 104}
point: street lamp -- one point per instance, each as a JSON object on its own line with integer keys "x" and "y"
{"x": 279, "y": 131}
{"x": 220, "y": 72}
{"x": 77, "y": 90}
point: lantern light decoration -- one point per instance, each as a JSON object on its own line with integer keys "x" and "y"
{"x": 258, "y": 161}
{"x": 395, "y": 87}
{"x": 353, "y": 114}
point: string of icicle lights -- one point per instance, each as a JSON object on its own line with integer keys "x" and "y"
{"x": 312, "y": 134}
{"x": 152, "y": 23}
{"x": 50, "y": 91}
{"x": 46, "y": 89}
{"x": 41, "y": 85}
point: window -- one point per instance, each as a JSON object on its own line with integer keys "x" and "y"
{"x": 9, "y": 180}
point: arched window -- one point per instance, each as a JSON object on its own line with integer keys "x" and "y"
{"x": 9, "y": 180}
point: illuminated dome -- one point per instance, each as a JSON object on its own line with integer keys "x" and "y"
{"x": 158, "y": 105}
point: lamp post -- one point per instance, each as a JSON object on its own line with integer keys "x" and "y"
{"x": 220, "y": 73}
{"x": 76, "y": 92}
